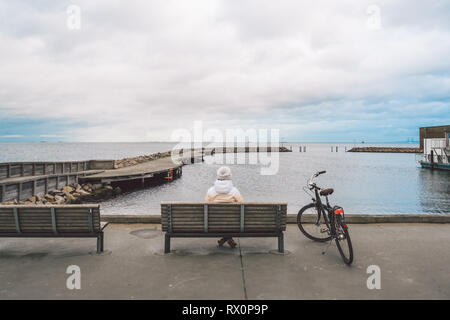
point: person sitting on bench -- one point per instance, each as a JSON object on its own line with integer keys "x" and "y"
{"x": 223, "y": 191}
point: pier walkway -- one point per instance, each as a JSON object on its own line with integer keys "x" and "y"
{"x": 143, "y": 170}
{"x": 150, "y": 170}
{"x": 413, "y": 261}
{"x": 21, "y": 180}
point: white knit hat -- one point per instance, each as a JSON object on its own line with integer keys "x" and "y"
{"x": 224, "y": 173}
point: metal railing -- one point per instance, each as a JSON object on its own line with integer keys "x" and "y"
{"x": 440, "y": 157}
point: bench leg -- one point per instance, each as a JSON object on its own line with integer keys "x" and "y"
{"x": 281, "y": 243}
{"x": 100, "y": 243}
{"x": 167, "y": 243}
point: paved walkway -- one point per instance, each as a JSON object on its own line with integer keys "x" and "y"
{"x": 414, "y": 260}
{"x": 144, "y": 168}
{"x": 153, "y": 166}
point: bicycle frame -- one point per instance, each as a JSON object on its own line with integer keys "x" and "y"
{"x": 327, "y": 216}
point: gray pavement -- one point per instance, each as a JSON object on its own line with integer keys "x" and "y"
{"x": 414, "y": 260}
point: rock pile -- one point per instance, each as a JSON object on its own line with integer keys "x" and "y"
{"x": 284, "y": 149}
{"x": 126, "y": 162}
{"x": 385, "y": 150}
{"x": 72, "y": 194}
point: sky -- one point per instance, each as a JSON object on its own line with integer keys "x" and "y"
{"x": 138, "y": 70}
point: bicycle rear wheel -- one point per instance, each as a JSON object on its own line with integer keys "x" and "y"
{"x": 343, "y": 241}
{"x": 312, "y": 223}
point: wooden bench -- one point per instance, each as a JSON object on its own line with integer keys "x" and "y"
{"x": 52, "y": 221}
{"x": 216, "y": 220}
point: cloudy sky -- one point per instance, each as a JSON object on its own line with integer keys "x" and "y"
{"x": 137, "y": 70}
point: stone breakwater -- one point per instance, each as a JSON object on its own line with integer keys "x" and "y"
{"x": 127, "y": 162}
{"x": 73, "y": 194}
{"x": 385, "y": 150}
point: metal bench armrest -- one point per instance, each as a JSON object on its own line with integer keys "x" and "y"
{"x": 103, "y": 225}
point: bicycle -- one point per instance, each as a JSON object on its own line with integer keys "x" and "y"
{"x": 321, "y": 222}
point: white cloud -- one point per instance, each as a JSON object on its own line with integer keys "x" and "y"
{"x": 137, "y": 70}
{"x": 11, "y": 136}
{"x": 50, "y": 136}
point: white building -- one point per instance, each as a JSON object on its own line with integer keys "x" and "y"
{"x": 436, "y": 147}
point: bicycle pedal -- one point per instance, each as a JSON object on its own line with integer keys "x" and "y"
{"x": 323, "y": 230}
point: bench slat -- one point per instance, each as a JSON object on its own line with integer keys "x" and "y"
{"x": 52, "y": 221}
{"x": 68, "y": 218}
{"x": 256, "y": 217}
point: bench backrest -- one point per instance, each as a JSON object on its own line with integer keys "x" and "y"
{"x": 198, "y": 217}
{"x": 26, "y": 219}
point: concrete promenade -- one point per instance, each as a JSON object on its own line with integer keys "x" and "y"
{"x": 414, "y": 260}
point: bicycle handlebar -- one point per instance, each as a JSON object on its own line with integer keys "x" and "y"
{"x": 310, "y": 183}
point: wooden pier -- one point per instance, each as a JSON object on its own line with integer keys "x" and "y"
{"x": 27, "y": 169}
{"x": 151, "y": 170}
{"x": 21, "y": 180}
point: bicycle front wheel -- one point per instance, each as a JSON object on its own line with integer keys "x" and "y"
{"x": 343, "y": 241}
{"x": 312, "y": 223}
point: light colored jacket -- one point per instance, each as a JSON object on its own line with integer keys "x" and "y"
{"x": 223, "y": 191}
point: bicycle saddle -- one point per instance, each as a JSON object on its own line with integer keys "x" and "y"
{"x": 326, "y": 192}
